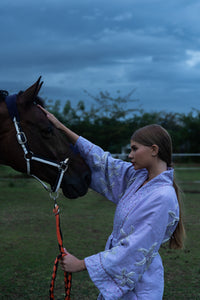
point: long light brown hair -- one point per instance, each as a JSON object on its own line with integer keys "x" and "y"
{"x": 156, "y": 134}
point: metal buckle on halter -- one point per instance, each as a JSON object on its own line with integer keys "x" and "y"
{"x": 64, "y": 165}
{"x": 53, "y": 196}
{"x": 21, "y": 138}
{"x": 28, "y": 155}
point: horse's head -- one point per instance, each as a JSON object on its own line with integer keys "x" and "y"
{"x": 44, "y": 140}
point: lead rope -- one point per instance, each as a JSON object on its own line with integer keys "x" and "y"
{"x": 67, "y": 276}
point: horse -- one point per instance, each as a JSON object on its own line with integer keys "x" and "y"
{"x": 30, "y": 143}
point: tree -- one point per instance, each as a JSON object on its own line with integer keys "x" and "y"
{"x": 190, "y": 130}
{"x": 117, "y": 108}
{"x": 110, "y": 122}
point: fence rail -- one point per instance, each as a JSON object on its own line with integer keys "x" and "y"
{"x": 185, "y": 154}
{"x": 124, "y": 155}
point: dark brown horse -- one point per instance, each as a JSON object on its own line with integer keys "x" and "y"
{"x": 41, "y": 140}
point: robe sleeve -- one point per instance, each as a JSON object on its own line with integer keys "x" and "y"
{"x": 110, "y": 177}
{"x": 116, "y": 271}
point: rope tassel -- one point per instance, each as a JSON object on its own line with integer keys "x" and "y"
{"x": 67, "y": 276}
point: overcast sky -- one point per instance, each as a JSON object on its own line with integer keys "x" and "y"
{"x": 152, "y": 46}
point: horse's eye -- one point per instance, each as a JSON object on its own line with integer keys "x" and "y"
{"x": 47, "y": 131}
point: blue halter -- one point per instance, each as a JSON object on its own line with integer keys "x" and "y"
{"x": 11, "y": 102}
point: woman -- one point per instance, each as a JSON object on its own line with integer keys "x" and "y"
{"x": 147, "y": 214}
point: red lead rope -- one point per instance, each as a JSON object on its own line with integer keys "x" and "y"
{"x": 68, "y": 276}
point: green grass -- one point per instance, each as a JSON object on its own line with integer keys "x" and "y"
{"x": 182, "y": 268}
{"x": 188, "y": 179}
{"x": 29, "y": 246}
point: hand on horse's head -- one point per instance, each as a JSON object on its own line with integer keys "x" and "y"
{"x": 72, "y": 136}
{"x": 51, "y": 118}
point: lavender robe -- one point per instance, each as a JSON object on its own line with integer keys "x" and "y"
{"x": 130, "y": 267}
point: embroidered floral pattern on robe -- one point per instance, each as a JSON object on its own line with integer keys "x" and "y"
{"x": 125, "y": 278}
{"x": 148, "y": 256}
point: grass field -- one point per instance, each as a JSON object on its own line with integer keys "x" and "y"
{"x": 28, "y": 240}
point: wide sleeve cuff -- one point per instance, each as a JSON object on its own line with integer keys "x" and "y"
{"x": 102, "y": 280}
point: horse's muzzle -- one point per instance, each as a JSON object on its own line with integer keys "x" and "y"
{"x": 76, "y": 186}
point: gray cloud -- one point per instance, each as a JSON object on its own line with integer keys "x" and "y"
{"x": 150, "y": 45}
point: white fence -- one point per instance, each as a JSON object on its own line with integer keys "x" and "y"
{"x": 123, "y": 155}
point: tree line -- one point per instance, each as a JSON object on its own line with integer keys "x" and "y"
{"x": 109, "y": 122}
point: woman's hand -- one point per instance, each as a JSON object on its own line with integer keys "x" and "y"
{"x": 72, "y": 136}
{"x": 71, "y": 264}
{"x": 51, "y": 118}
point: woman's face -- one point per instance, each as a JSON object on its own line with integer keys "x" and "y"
{"x": 141, "y": 156}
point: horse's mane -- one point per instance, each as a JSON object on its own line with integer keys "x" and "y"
{"x": 3, "y": 95}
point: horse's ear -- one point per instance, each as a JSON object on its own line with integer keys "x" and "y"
{"x": 31, "y": 93}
